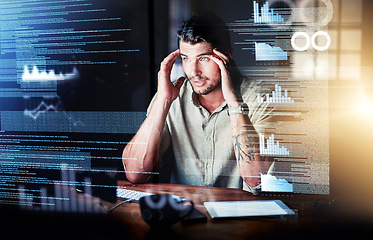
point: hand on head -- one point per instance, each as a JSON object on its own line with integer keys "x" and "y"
{"x": 166, "y": 89}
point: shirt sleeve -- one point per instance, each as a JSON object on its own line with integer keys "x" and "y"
{"x": 166, "y": 137}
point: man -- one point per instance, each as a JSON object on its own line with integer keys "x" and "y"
{"x": 203, "y": 116}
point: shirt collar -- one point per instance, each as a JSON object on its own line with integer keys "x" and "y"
{"x": 194, "y": 99}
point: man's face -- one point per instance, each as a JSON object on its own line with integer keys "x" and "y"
{"x": 202, "y": 71}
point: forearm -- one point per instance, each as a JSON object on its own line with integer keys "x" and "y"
{"x": 245, "y": 138}
{"x": 246, "y": 147}
{"x": 141, "y": 154}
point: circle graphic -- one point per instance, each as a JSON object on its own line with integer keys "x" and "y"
{"x": 328, "y": 41}
{"x": 300, "y": 34}
{"x": 310, "y": 41}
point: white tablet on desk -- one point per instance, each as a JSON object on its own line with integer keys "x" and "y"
{"x": 260, "y": 208}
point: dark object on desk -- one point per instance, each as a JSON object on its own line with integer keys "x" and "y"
{"x": 195, "y": 217}
{"x": 102, "y": 185}
{"x": 164, "y": 209}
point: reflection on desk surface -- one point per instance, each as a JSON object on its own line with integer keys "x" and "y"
{"x": 319, "y": 213}
{"x": 317, "y": 216}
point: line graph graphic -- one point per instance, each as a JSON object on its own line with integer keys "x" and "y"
{"x": 50, "y": 111}
{"x": 42, "y": 108}
{"x": 265, "y": 52}
{"x": 266, "y": 15}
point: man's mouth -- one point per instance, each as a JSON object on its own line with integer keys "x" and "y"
{"x": 198, "y": 82}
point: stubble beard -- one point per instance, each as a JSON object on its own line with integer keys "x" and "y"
{"x": 208, "y": 90}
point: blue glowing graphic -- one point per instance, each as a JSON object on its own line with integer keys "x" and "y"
{"x": 266, "y": 15}
{"x": 42, "y": 108}
{"x": 265, "y": 52}
{"x": 273, "y": 184}
{"x": 36, "y": 75}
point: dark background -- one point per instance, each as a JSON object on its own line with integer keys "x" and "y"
{"x": 130, "y": 84}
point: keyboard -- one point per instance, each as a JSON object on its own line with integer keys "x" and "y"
{"x": 130, "y": 195}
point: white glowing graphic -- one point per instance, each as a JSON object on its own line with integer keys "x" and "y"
{"x": 301, "y": 48}
{"x": 270, "y": 147}
{"x": 36, "y": 75}
{"x": 327, "y": 44}
{"x": 276, "y": 97}
{"x": 310, "y": 41}
{"x": 42, "y": 108}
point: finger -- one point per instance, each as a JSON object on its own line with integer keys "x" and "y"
{"x": 220, "y": 62}
{"x": 170, "y": 59}
{"x": 221, "y": 55}
{"x": 179, "y": 82}
{"x": 173, "y": 56}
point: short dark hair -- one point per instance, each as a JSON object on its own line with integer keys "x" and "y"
{"x": 205, "y": 27}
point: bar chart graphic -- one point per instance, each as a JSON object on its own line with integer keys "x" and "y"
{"x": 276, "y": 96}
{"x": 265, "y": 52}
{"x": 266, "y": 15}
{"x": 270, "y": 147}
{"x": 65, "y": 197}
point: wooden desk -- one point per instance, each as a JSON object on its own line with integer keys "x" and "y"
{"x": 309, "y": 218}
{"x": 125, "y": 222}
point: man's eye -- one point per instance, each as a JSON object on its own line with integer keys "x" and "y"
{"x": 185, "y": 59}
{"x": 203, "y": 59}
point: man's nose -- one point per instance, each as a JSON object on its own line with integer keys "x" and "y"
{"x": 194, "y": 69}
